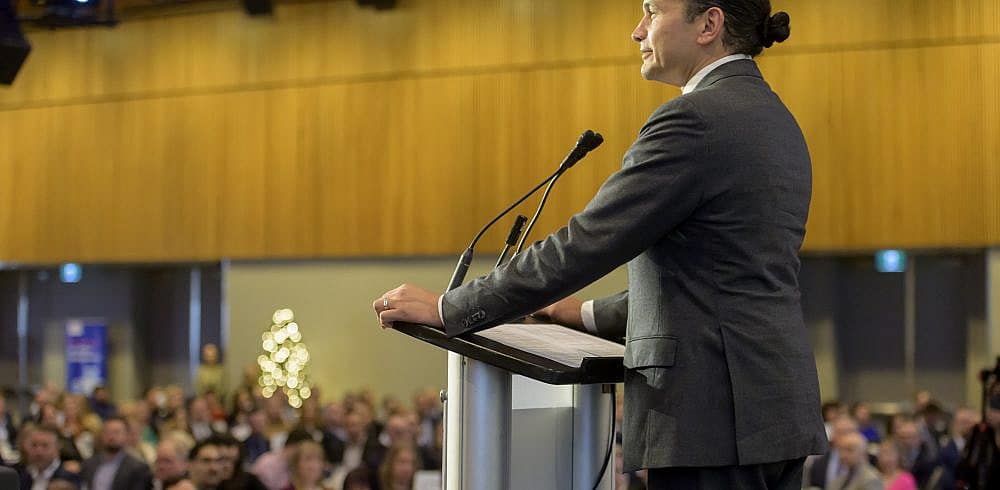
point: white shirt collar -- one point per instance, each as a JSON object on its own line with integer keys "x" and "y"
{"x": 45, "y": 474}
{"x": 698, "y": 77}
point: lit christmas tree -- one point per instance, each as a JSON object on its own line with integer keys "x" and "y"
{"x": 285, "y": 360}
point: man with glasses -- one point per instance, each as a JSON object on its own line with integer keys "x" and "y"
{"x": 206, "y": 466}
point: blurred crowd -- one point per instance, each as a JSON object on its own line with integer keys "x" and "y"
{"x": 918, "y": 449}
{"x": 167, "y": 440}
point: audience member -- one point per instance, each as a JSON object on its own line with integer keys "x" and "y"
{"x": 859, "y": 473}
{"x": 825, "y": 469}
{"x": 171, "y": 461}
{"x": 309, "y": 419}
{"x": 62, "y": 484}
{"x": 306, "y": 466}
{"x": 100, "y": 403}
{"x": 272, "y": 468}
{"x": 396, "y": 472}
{"x": 964, "y": 420}
{"x": 334, "y": 435}
{"x": 863, "y": 416}
{"x": 257, "y": 443}
{"x": 40, "y": 462}
{"x": 8, "y": 432}
{"x": 179, "y": 484}
{"x": 134, "y": 444}
{"x": 428, "y": 408}
{"x": 233, "y": 475}
{"x": 112, "y": 468}
{"x": 359, "y": 479}
{"x": 205, "y": 467}
{"x": 79, "y": 425}
{"x": 200, "y": 423}
{"x": 893, "y": 475}
{"x": 239, "y": 417}
{"x": 210, "y": 376}
{"x": 831, "y": 410}
{"x": 916, "y": 454}
{"x": 432, "y": 454}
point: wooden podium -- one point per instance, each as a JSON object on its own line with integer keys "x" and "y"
{"x": 527, "y": 406}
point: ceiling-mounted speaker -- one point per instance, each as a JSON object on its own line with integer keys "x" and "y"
{"x": 14, "y": 47}
{"x": 258, "y": 7}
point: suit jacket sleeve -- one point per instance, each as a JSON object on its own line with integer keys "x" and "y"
{"x": 611, "y": 315}
{"x": 660, "y": 184}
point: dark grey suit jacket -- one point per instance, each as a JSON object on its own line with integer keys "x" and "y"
{"x": 709, "y": 211}
{"x": 132, "y": 474}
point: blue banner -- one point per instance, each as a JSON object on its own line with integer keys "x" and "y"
{"x": 86, "y": 356}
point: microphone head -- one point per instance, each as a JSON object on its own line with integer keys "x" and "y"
{"x": 589, "y": 140}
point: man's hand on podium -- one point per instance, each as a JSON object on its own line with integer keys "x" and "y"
{"x": 564, "y": 312}
{"x": 408, "y": 303}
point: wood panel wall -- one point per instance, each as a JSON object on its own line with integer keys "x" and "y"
{"x": 331, "y": 131}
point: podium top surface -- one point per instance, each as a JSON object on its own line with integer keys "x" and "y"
{"x": 551, "y": 354}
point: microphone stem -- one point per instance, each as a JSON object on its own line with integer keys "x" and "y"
{"x": 538, "y": 212}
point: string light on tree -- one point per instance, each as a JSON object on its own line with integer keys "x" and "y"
{"x": 285, "y": 361}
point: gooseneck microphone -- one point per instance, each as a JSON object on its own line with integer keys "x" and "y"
{"x": 587, "y": 142}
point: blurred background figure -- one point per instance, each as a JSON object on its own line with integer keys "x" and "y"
{"x": 210, "y": 372}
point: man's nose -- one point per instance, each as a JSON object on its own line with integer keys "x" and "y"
{"x": 639, "y": 34}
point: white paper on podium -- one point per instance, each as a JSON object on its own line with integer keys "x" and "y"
{"x": 556, "y": 342}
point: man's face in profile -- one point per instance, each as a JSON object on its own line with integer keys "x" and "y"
{"x": 666, "y": 41}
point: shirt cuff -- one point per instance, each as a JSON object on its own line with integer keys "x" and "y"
{"x": 587, "y": 312}
{"x": 441, "y": 310}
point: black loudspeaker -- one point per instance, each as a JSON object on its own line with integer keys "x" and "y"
{"x": 258, "y": 7}
{"x": 14, "y": 48}
{"x": 377, "y": 4}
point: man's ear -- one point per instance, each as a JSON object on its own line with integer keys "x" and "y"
{"x": 713, "y": 25}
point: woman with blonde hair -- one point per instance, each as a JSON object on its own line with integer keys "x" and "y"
{"x": 398, "y": 468}
{"x": 893, "y": 475}
{"x": 305, "y": 465}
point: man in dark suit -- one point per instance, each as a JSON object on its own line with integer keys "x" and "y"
{"x": 41, "y": 463}
{"x": 917, "y": 456}
{"x": 113, "y": 468}
{"x": 709, "y": 212}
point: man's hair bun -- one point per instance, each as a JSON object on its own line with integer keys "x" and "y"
{"x": 775, "y": 29}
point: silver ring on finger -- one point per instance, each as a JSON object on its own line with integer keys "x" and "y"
{"x": 385, "y": 303}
